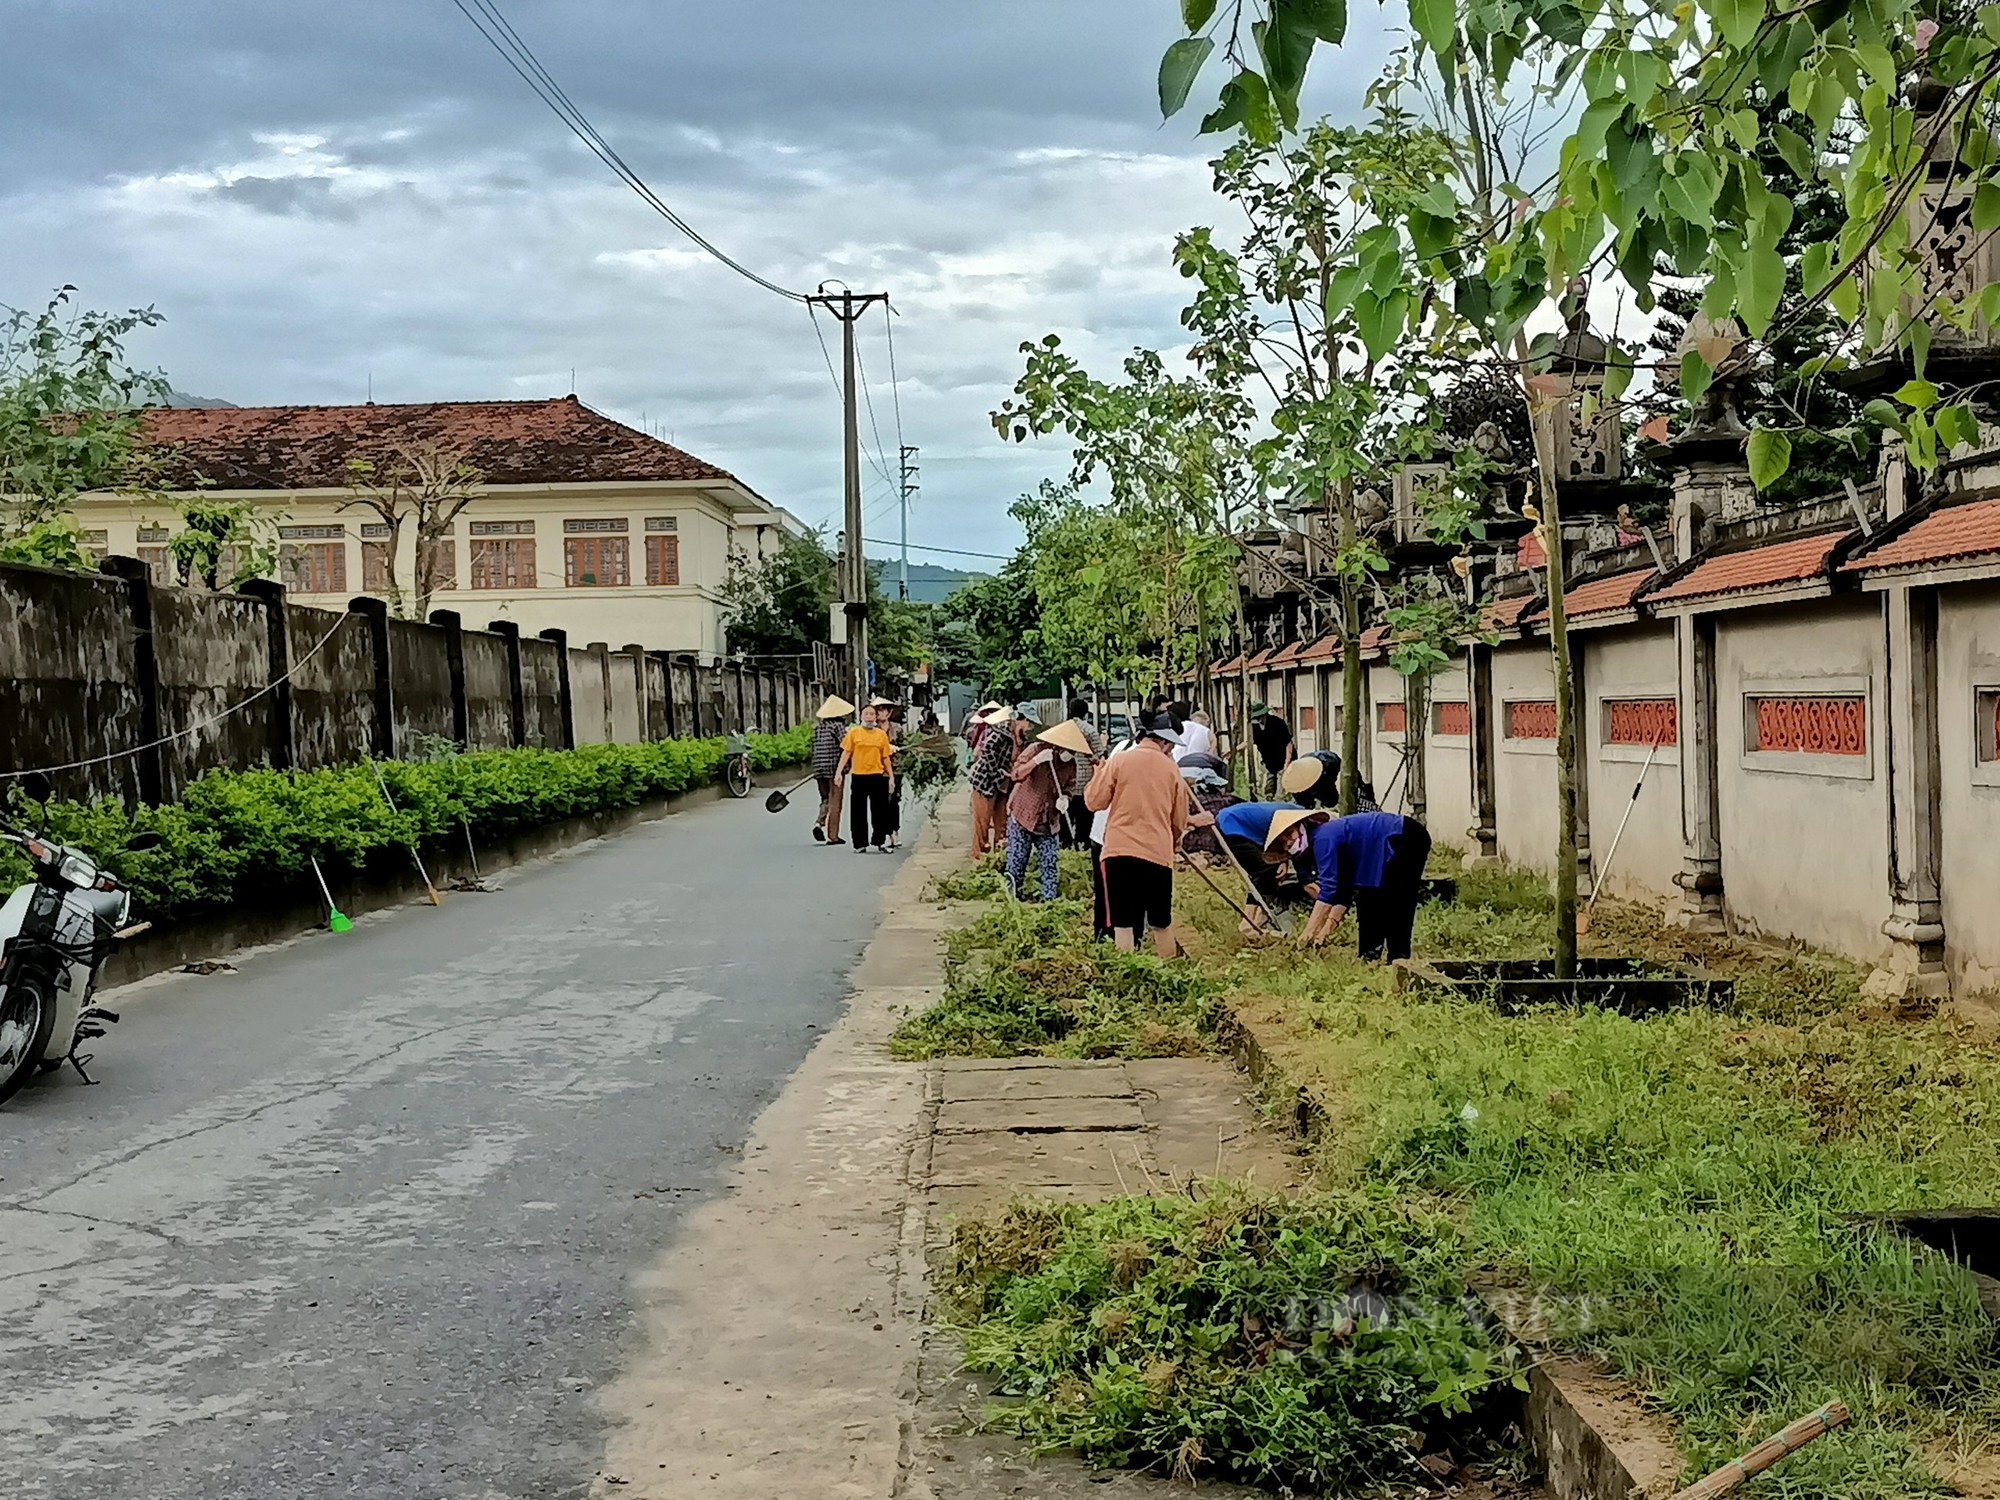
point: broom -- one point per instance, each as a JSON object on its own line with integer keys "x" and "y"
{"x": 415, "y": 858}
{"x": 336, "y": 921}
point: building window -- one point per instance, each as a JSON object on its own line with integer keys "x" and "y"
{"x": 374, "y": 530}
{"x": 1986, "y": 721}
{"x": 1644, "y": 722}
{"x": 1308, "y": 717}
{"x": 154, "y": 534}
{"x": 596, "y": 561}
{"x": 312, "y": 533}
{"x": 503, "y": 528}
{"x": 1531, "y": 719}
{"x": 502, "y": 563}
{"x": 310, "y": 567}
{"x": 1451, "y": 718}
{"x": 606, "y": 526}
{"x": 663, "y": 523}
{"x": 1393, "y": 718}
{"x": 1796, "y": 723}
{"x": 663, "y": 561}
{"x": 159, "y": 564}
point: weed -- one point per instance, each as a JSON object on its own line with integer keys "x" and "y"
{"x": 1317, "y": 1343}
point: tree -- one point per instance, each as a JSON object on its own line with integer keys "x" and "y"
{"x": 899, "y": 631}
{"x": 424, "y": 485}
{"x": 70, "y": 422}
{"x": 777, "y": 605}
{"x": 990, "y": 632}
{"x": 222, "y": 543}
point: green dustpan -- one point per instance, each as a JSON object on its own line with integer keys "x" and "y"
{"x": 336, "y": 919}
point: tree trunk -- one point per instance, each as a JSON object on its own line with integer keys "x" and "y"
{"x": 1416, "y": 717}
{"x": 1350, "y": 661}
{"x": 1566, "y": 818}
{"x": 1241, "y": 730}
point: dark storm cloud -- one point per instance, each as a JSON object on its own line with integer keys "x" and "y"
{"x": 332, "y": 199}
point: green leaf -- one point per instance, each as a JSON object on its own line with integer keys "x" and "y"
{"x": 1325, "y": 19}
{"x": 1877, "y": 63}
{"x": 1883, "y": 413}
{"x": 1696, "y": 376}
{"x": 1796, "y": 152}
{"x": 1760, "y": 284}
{"x": 1436, "y": 22}
{"x": 1956, "y": 424}
{"x": 1986, "y": 206}
{"x": 1737, "y": 20}
{"x": 1195, "y": 13}
{"x": 1815, "y": 265}
{"x": 1380, "y": 319}
{"x": 1770, "y": 456}
{"x": 1178, "y": 69}
{"x": 1918, "y": 395}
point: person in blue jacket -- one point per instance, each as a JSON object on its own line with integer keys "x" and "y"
{"x": 1374, "y": 863}
{"x": 1272, "y": 844}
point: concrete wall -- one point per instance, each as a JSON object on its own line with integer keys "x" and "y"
{"x": 1448, "y": 766}
{"x": 1805, "y": 843}
{"x": 68, "y": 679}
{"x": 152, "y": 686}
{"x": 489, "y": 692}
{"x": 1637, "y": 663}
{"x": 332, "y": 687}
{"x": 627, "y": 724}
{"x": 421, "y": 670}
{"x": 586, "y": 697}
{"x": 1524, "y": 770}
{"x": 1969, "y": 786}
{"x": 541, "y": 692}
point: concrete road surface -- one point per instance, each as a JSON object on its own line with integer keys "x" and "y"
{"x": 362, "y": 1218}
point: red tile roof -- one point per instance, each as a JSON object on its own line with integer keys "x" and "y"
{"x": 1287, "y": 654}
{"x": 1224, "y": 668}
{"x": 1946, "y": 535}
{"x": 1326, "y": 648}
{"x": 1262, "y": 658}
{"x": 1793, "y": 560}
{"x": 1374, "y": 638}
{"x": 1529, "y": 553}
{"x": 1601, "y": 596}
{"x": 509, "y": 442}
{"x": 1504, "y": 614}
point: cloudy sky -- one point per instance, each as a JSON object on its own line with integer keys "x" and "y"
{"x": 329, "y": 199}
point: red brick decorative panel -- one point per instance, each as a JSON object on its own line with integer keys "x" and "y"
{"x": 1308, "y": 718}
{"x": 1642, "y": 721}
{"x": 1531, "y": 720}
{"x": 1395, "y": 718}
{"x": 1812, "y": 725}
{"x": 1454, "y": 718}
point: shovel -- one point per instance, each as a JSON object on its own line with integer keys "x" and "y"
{"x": 336, "y": 921}
{"x": 779, "y": 801}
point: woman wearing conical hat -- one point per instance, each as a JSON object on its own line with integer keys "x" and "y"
{"x": 829, "y": 724}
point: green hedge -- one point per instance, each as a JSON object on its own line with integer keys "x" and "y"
{"x": 244, "y": 838}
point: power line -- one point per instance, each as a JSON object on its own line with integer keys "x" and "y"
{"x": 895, "y": 386}
{"x": 487, "y": 19}
{"x": 878, "y": 457}
{"x": 876, "y": 541}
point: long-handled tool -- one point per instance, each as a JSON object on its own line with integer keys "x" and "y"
{"x": 1597, "y": 876}
{"x": 1271, "y": 914}
{"x": 335, "y": 920}
{"x": 415, "y": 858}
{"x": 1766, "y": 1453}
{"x": 778, "y": 801}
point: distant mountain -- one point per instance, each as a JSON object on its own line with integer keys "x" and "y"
{"x": 930, "y": 583}
{"x": 202, "y": 403}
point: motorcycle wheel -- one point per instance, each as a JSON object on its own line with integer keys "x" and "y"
{"x": 737, "y": 775}
{"x": 27, "y": 1017}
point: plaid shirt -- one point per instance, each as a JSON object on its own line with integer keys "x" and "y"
{"x": 1032, "y": 804}
{"x": 993, "y": 763}
{"x": 826, "y": 745}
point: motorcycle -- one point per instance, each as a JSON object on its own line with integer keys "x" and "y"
{"x": 55, "y": 934}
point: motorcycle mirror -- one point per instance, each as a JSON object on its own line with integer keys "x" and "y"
{"x": 146, "y": 840}
{"x": 36, "y": 787}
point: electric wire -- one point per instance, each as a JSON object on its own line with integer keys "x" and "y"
{"x": 487, "y": 19}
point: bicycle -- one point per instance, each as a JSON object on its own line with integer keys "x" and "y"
{"x": 736, "y": 765}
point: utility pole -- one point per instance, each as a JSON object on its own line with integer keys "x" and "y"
{"x": 907, "y": 488}
{"x": 848, "y": 307}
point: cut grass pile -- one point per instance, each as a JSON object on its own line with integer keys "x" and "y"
{"x": 1310, "y": 1343}
{"x": 1026, "y": 979}
{"x": 983, "y": 880}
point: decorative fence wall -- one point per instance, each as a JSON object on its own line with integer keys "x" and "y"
{"x": 131, "y": 690}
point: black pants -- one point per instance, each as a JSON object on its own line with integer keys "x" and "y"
{"x": 867, "y": 801}
{"x": 891, "y": 821}
{"x": 1074, "y": 826}
{"x": 1384, "y": 914}
{"x": 1100, "y": 913}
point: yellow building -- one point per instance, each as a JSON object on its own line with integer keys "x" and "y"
{"x": 577, "y": 521}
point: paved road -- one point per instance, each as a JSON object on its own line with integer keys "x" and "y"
{"x": 359, "y": 1219}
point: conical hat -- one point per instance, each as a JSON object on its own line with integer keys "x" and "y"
{"x": 990, "y": 704}
{"x": 880, "y": 702}
{"x": 1286, "y": 818}
{"x": 835, "y": 707}
{"x": 1302, "y": 775}
{"x": 1067, "y": 735}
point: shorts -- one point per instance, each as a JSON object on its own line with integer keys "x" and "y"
{"x": 1138, "y": 893}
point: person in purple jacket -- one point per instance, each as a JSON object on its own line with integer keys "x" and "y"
{"x": 1373, "y": 862}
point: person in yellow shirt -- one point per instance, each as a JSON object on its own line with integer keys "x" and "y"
{"x": 865, "y": 750}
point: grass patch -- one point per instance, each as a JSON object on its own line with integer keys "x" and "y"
{"x": 1312, "y": 1343}
{"x": 1027, "y": 979}
{"x": 985, "y": 880}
